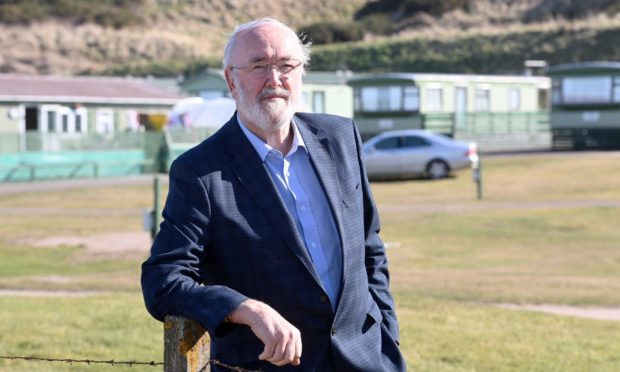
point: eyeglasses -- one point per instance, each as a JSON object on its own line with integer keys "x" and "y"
{"x": 262, "y": 69}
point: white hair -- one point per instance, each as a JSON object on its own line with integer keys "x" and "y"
{"x": 230, "y": 45}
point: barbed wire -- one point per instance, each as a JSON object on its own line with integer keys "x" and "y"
{"x": 120, "y": 362}
{"x": 86, "y": 361}
{"x": 233, "y": 368}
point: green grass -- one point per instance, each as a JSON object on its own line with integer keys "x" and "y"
{"x": 522, "y": 244}
{"x": 456, "y": 336}
{"x": 97, "y": 328}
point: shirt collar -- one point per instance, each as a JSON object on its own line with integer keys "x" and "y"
{"x": 262, "y": 149}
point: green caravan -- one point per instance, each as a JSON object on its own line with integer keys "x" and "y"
{"x": 484, "y": 108}
{"x": 585, "y": 105}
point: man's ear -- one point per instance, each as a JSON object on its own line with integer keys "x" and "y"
{"x": 230, "y": 81}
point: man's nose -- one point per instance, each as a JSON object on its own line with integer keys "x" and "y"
{"x": 273, "y": 78}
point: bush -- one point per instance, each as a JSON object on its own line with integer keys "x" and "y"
{"x": 107, "y": 13}
{"x": 398, "y": 9}
{"x": 570, "y": 9}
{"x": 334, "y": 32}
{"x": 378, "y": 24}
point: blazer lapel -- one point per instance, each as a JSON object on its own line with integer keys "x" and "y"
{"x": 255, "y": 178}
{"x": 326, "y": 167}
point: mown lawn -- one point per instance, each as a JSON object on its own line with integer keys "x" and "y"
{"x": 451, "y": 257}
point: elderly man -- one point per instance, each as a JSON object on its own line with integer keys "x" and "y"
{"x": 270, "y": 233}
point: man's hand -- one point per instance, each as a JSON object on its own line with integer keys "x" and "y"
{"x": 281, "y": 339}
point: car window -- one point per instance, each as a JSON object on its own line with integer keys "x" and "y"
{"x": 415, "y": 141}
{"x": 389, "y": 143}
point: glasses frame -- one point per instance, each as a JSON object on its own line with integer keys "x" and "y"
{"x": 262, "y": 69}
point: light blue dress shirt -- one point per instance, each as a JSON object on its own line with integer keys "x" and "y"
{"x": 306, "y": 202}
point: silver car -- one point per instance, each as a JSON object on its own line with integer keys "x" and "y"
{"x": 415, "y": 152}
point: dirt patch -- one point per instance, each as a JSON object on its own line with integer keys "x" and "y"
{"x": 599, "y": 313}
{"x": 47, "y": 293}
{"x": 113, "y": 245}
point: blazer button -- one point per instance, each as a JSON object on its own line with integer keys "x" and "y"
{"x": 323, "y": 298}
{"x": 333, "y": 331}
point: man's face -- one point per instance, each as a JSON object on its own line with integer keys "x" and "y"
{"x": 266, "y": 100}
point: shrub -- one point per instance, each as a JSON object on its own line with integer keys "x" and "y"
{"x": 378, "y": 24}
{"x": 398, "y": 9}
{"x": 334, "y": 32}
{"x": 107, "y": 13}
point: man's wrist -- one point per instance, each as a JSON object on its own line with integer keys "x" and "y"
{"x": 243, "y": 313}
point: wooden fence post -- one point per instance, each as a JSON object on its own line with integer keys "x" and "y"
{"x": 186, "y": 345}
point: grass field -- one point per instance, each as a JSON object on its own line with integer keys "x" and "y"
{"x": 545, "y": 233}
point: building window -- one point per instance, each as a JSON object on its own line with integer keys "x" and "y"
{"x": 482, "y": 100}
{"x": 318, "y": 102}
{"x": 370, "y": 99}
{"x": 514, "y": 99}
{"x": 386, "y": 99}
{"x": 556, "y": 92}
{"x": 434, "y": 99}
{"x": 51, "y": 121}
{"x": 411, "y": 98}
{"x": 78, "y": 123}
{"x": 617, "y": 89}
{"x": 591, "y": 89}
{"x": 81, "y": 120}
{"x": 104, "y": 122}
{"x": 64, "y": 117}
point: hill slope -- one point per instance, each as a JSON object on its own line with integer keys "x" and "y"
{"x": 165, "y": 37}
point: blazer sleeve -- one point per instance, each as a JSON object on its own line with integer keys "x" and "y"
{"x": 375, "y": 257}
{"x": 171, "y": 280}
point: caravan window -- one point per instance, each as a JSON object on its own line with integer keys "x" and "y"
{"x": 318, "y": 102}
{"x": 411, "y": 98}
{"x": 386, "y": 99}
{"x": 514, "y": 99}
{"x": 434, "y": 99}
{"x": 482, "y": 100}
{"x": 104, "y": 123}
{"x": 51, "y": 121}
{"x": 591, "y": 89}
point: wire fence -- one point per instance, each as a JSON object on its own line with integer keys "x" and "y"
{"x": 130, "y": 363}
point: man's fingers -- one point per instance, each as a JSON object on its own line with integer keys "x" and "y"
{"x": 281, "y": 339}
{"x": 297, "y": 359}
{"x": 267, "y": 353}
{"x": 284, "y": 355}
{"x": 286, "y": 351}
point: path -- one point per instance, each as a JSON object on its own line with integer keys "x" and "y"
{"x": 599, "y": 313}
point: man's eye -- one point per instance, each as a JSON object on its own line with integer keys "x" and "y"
{"x": 258, "y": 68}
{"x": 286, "y": 67}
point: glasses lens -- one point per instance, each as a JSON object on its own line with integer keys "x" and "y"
{"x": 263, "y": 69}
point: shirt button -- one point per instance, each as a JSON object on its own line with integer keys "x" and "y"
{"x": 333, "y": 331}
{"x": 323, "y": 298}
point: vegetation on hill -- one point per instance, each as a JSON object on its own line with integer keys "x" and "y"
{"x": 170, "y": 37}
{"x": 493, "y": 52}
{"x": 107, "y": 13}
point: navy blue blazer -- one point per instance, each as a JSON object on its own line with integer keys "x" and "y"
{"x": 226, "y": 236}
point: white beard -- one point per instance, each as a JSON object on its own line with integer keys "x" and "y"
{"x": 269, "y": 116}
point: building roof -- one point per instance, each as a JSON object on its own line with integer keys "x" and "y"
{"x": 410, "y": 77}
{"x": 310, "y": 77}
{"x": 584, "y": 67}
{"x": 110, "y": 90}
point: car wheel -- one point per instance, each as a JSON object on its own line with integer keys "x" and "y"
{"x": 437, "y": 169}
